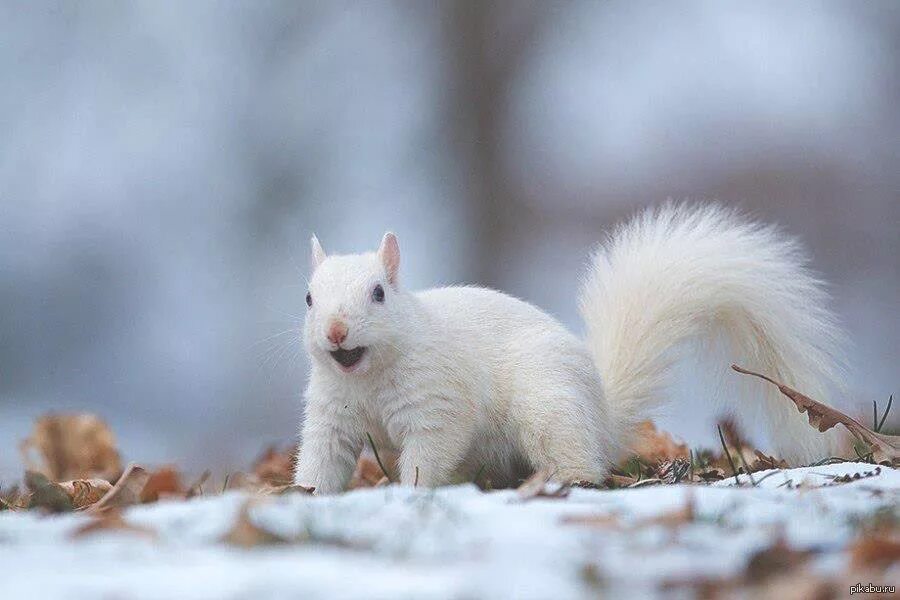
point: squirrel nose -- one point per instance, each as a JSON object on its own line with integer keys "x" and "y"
{"x": 337, "y": 332}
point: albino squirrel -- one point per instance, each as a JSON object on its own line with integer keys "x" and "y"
{"x": 466, "y": 379}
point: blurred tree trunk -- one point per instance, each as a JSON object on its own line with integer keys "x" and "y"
{"x": 487, "y": 44}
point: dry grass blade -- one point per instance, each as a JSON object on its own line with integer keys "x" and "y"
{"x": 823, "y": 418}
{"x": 197, "y": 488}
{"x": 728, "y": 455}
{"x": 127, "y": 490}
{"x": 378, "y": 457}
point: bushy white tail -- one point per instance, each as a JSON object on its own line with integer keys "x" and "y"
{"x": 682, "y": 272}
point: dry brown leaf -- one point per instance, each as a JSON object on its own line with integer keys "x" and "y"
{"x": 46, "y": 494}
{"x": 111, "y": 520}
{"x": 276, "y": 467}
{"x": 653, "y": 446}
{"x": 280, "y": 490}
{"x": 246, "y": 534}
{"x": 619, "y": 481}
{"x": 540, "y": 485}
{"x": 127, "y": 490}
{"x": 672, "y": 519}
{"x": 708, "y": 475}
{"x": 875, "y": 552}
{"x": 596, "y": 521}
{"x": 366, "y": 474}
{"x": 85, "y": 492}
{"x": 165, "y": 481}
{"x": 764, "y": 462}
{"x": 79, "y": 446}
{"x": 777, "y": 559}
{"x": 823, "y": 418}
{"x": 798, "y": 584}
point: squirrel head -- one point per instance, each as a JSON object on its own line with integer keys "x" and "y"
{"x": 353, "y": 307}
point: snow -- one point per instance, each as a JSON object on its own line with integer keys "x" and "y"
{"x": 455, "y": 542}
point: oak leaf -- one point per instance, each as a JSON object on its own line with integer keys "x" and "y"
{"x": 823, "y": 418}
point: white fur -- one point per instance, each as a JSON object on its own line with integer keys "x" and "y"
{"x": 464, "y": 379}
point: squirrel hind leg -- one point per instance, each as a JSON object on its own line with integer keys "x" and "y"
{"x": 562, "y": 442}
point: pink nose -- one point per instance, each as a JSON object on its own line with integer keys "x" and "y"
{"x": 337, "y": 332}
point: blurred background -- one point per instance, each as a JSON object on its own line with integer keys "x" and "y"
{"x": 163, "y": 164}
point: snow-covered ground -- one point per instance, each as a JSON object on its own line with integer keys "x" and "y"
{"x": 454, "y": 542}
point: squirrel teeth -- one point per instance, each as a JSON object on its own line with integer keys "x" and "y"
{"x": 348, "y": 358}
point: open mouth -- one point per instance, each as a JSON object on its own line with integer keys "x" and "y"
{"x": 348, "y": 358}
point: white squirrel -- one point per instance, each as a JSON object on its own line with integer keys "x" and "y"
{"x": 466, "y": 379}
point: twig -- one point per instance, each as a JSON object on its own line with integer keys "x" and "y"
{"x": 728, "y": 454}
{"x": 416, "y": 482}
{"x": 378, "y": 459}
{"x": 225, "y": 485}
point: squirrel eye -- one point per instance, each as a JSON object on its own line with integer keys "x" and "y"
{"x": 378, "y": 293}
{"x": 308, "y": 299}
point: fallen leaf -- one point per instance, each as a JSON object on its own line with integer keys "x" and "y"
{"x": 875, "y": 552}
{"x": 72, "y": 446}
{"x": 619, "y": 481}
{"x": 823, "y": 418}
{"x": 366, "y": 474}
{"x": 280, "y": 490}
{"x": 711, "y": 475}
{"x": 777, "y": 559}
{"x": 165, "y": 481}
{"x": 654, "y": 446}
{"x": 672, "y": 519}
{"x": 598, "y": 521}
{"x": 765, "y": 463}
{"x": 276, "y": 467}
{"x": 246, "y": 534}
{"x": 85, "y": 492}
{"x": 46, "y": 494}
{"x": 111, "y": 520}
{"x": 127, "y": 490}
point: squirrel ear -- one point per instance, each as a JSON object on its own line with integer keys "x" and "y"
{"x": 389, "y": 253}
{"x": 318, "y": 255}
